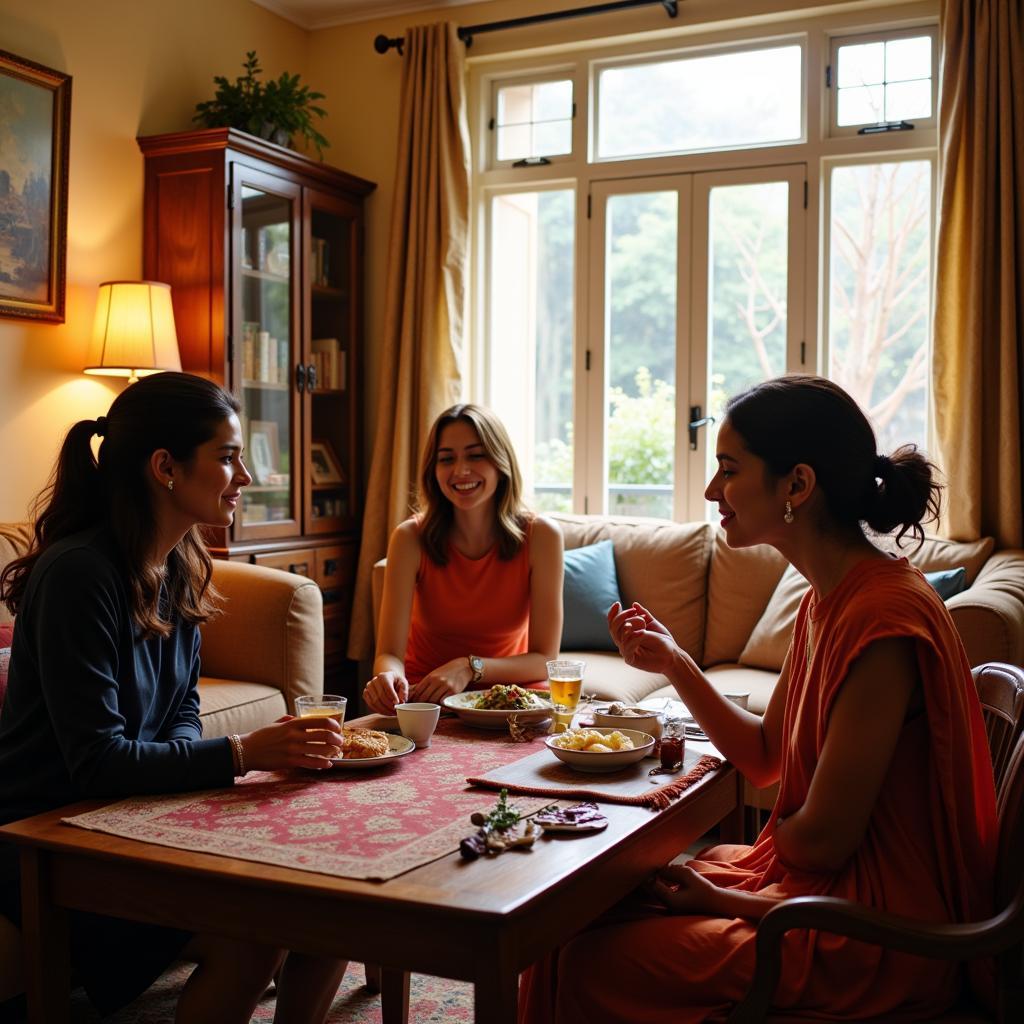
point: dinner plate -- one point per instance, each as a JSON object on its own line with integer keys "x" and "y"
{"x": 399, "y": 745}
{"x": 461, "y": 704}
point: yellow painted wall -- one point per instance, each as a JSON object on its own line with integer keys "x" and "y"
{"x": 138, "y": 67}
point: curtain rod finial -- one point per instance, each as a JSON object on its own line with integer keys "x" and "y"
{"x": 382, "y": 44}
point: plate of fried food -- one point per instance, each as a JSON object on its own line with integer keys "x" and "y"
{"x": 600, "y": 750}
{"x": 490, "y": 709}
{"x": 370, "y": 748}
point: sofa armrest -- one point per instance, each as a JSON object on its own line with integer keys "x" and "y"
{"x": 989, "y": 615}
{"x": 271, "y": 630}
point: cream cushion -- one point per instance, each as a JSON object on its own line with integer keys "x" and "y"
{"x": 769, "y": 640}
{"x": 661, "y": 564}
{"x": 740, "y": 584}
{"x": 14, "y": 542}
{"x": 228, "y": 706}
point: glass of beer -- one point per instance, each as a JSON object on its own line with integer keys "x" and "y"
{"x": 327, "y": 705}
{"x": 565, "y": 680}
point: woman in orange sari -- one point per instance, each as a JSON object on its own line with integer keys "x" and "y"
{"x": 874, "y": 732}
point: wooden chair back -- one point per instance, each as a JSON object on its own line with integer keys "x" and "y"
{"x": 1001, "y": 692}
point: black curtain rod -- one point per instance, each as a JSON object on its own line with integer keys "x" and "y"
{"x": 383, "y": 43}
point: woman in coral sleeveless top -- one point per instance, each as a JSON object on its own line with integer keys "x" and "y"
{"x": 473, "y": 587}
{"x": 874, "y": 732}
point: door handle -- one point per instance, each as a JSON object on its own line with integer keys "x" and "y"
{"x": 696, "y": 422}
{"x": 300, "y": 377}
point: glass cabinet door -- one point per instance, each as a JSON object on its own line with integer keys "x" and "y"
{"x": 265, "y": 349}
{"x": 331, "y": 317}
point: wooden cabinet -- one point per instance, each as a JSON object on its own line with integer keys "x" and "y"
{"x": 262, "y": 249}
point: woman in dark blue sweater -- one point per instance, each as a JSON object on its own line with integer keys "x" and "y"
{"x": 102, "y": 698}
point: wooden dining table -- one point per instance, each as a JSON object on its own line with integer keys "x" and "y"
{"x": 480, "y": 921}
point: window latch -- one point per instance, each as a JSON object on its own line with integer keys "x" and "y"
{"x": 696, "y": 422}
{"x": 886, "y": 126}
{"x": 532, "y": 161}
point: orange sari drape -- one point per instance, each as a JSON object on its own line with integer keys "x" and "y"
{"x": 929, "y": 850}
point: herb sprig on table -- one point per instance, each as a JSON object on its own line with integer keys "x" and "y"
{"x": 494, "y": 830}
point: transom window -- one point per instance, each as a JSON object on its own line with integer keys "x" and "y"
{"x": 532, "y": 120}
{"x": 695, "y": 103}
{"x": 884, "y": 81}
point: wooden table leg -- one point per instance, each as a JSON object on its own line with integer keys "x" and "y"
{"x": 394, "y": 995}
{"x": 372, "y": 972}
{"x": 730, "y": 829}
{"x": 496, "y": 997}
{"x": 45, "y": 935}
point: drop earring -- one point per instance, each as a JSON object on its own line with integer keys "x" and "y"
{"x": 170, "y": 486}
{"x": 788, "y": 516}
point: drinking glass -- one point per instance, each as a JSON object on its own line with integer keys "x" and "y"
{"x": 326, "y": 705}
{"x": 565, "y": 680}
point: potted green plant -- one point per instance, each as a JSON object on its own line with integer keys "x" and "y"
{"x": 278, "y": 110}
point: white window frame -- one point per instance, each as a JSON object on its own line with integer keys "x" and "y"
{"x": 537, "y": 78}
{"x": 880, "y": 36}
{"x": 819, "y": 150}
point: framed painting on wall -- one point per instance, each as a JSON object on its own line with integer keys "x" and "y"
{"x": 35, "y": 124}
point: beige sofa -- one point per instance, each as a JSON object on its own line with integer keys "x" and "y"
{"x": 733, "y": 610}
{"x": 263, "y": 651}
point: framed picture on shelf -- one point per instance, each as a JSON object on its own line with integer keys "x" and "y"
{"x": 325, "y": 466}
{"x": 35, "y": 121}
{"x": 265, "y": 452}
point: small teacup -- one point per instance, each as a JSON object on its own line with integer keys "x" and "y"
{"x": 418, "y": 721}
{"x": 742, "y": 699}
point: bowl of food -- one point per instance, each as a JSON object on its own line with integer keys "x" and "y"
{"x": 600, "y": 750}
{"x": 622, "y": 716}
{"x": 490, "y": 709}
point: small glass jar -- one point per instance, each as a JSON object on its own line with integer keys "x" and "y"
{"x": 672, "y": 743}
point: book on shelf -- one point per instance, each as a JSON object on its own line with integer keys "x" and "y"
{"x": 329, "y": 360}
{"x": 264, "y": 357}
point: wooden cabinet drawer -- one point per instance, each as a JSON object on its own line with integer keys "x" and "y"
{"x": 336, "y": 567}
{"x": 301, "y": 562}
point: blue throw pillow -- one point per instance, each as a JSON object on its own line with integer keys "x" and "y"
{"x": 949, "y": 582}
{"x": 590, "y": 589}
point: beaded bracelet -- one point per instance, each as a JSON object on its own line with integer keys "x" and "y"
{"x": 239, "y": 750}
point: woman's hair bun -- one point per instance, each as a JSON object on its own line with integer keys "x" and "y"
{"x": 904, "y": 494}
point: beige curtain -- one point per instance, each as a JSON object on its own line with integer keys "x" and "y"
{"x": 979, "y": 308}
{"x": 421, "y": 362}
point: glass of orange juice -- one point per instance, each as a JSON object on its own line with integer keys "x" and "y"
{"x": 327, "y": 705}
{"x": 565, "y": 680}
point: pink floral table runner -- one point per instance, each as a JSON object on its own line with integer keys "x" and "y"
{"x": 372, "y": 824}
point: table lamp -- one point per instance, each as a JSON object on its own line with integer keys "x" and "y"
{"x": 133, "y": 334}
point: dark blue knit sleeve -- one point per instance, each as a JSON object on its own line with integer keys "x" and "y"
{"x": 83, "y": 636}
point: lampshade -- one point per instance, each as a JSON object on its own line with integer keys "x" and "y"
{"x": 133, "y": 334}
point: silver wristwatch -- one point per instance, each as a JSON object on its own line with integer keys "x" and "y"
{"x": 476, "y": 665}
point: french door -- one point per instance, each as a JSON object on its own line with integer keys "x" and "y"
{"x": 695, "y": 292}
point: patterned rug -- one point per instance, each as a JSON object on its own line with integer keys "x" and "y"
{"x": 431, "y": 1001}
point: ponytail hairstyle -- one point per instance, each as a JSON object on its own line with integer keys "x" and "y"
{"x": 807, "y": 419}
{"x": 435, "y": 510}
{"x": 176, "y": 411}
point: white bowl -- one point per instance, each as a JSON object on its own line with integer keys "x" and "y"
{"x": 604, "y": 761}
{"x": 649, "y": 722}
